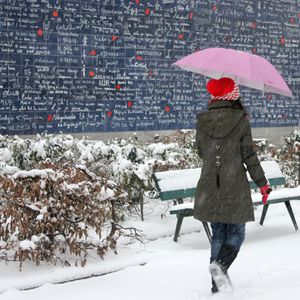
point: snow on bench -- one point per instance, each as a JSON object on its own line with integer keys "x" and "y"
{"x": 177, "y": 184}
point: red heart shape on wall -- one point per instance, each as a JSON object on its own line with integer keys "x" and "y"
{"x": 93, "y": 52}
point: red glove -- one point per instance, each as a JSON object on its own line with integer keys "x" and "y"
{"x": 265, "y": 191}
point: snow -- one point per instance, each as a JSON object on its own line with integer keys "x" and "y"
{"x": 278, "y": 194}
{"x": 33, "y": 173}
{"x": 39, "y": 148}
{"x": 106, "y": 193}
{"x": 26, "y": 245}
{"x": 266, "y": 267}
{"x": 122, "y": 164}
{"x": 8, "y": 170}
{"x": 271, "y": 169}
{"x": 5, "y": 154}
{"x": 40, "y": 217}
{"x": 33, "y": 207}
{"x": 186, "y": 205}
{"x": 143, "y": 172}
{"x": 160, "y": 148}
{"x": 188, "y": 178}
{"x": 181, "y": 179}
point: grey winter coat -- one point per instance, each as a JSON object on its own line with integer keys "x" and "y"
{"x": 224, "y": 142}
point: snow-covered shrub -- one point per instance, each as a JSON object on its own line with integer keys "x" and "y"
{"x": 265, "y": 150}
{"x": 19, "y": 151}
{"x": 174, "y": 151}
{"x": 289, "y": 157}
{"x": 26, "y": 153}
{"x": 131, "y": 166}
{"x": 57, "y": 212}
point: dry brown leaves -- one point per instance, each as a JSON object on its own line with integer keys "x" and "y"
{"x": 55, "y": 212}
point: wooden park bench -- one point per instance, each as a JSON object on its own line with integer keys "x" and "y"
{"x": 179, "y": 184}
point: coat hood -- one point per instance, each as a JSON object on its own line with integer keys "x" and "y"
{"x": 220, "y": 120}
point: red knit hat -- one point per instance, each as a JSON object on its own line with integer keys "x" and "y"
{"x": 223, "y": 89}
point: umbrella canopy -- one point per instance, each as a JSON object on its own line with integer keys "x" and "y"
{"x": 244, "y": 68}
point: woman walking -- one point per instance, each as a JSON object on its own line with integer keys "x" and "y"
{"x": 223, "y": 198}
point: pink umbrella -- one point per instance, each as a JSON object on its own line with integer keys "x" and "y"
{"x": 244, "y": 68}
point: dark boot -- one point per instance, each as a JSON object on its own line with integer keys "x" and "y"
{"x": 219, "y": 267}
{"x": 214, "y": 288}
{"x": 226, "y": 256}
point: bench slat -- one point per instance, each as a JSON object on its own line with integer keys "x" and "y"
{"x": 182, "y": 183}
{"x": 277, "y": 196}
{"x": 184, "y": 193}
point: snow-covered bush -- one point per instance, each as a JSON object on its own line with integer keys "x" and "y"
{"x": 174, "y": 151}
{"x": 57, "y": 212}
{"x": 289, "y": 157}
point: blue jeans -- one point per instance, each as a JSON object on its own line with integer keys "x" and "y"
{"x": 230, "y": 234}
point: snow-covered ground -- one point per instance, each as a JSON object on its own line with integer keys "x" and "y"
{"x": 267, "y": 266}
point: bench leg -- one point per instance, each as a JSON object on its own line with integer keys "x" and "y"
{"x": 290, "y": 210}
{"x": 178, "y": 201}
{"x": 178, "y": 226}
{"x": 207, "y": 230}
{"x": 263, "y": 214}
